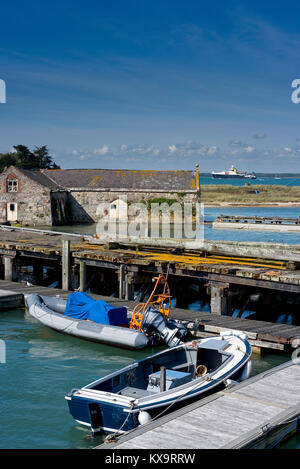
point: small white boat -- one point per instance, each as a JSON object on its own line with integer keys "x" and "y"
{"x": 137, "y": 393}
{"x": 233, "y": 173}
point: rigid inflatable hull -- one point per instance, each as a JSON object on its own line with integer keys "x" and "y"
{"x": 111, "y": 335}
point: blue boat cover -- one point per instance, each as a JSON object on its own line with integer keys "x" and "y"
{"x": 82, "y": 306}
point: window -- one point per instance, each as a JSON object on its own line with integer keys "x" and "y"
{"x": 12, "y": 207}
{"x": 12, "y": 185}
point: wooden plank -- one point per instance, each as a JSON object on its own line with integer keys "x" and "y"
{"x": 217, "y": 330}
{"x": 266, "y": 345}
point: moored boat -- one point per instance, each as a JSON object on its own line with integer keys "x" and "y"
{"x": 98, "y": 321}
{"x": 233, "y": 173}
{"x": 50, "y": 312}
{"x": 137, "y": 393}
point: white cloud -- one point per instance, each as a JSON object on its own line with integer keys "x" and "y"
{"x": 104, "y": 150}
{"x": 173, "y": 149}
{"x": 249, "y": 149}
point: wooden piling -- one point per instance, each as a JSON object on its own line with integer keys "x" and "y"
{"x": 129, "y": 286}
{"x": 8, "y": 268}
{"x": 66, "y": 261}
{"x": 121, "y": 281}
{"x": 162, "y": 379}
{"x": 82, "y": 276}
{"x": 218, "y": 300}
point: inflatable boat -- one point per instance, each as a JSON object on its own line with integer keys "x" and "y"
{"x": 53, "y": 312}
{"x": 98, "y": 321}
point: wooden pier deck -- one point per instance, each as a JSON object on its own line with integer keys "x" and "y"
{"x": 257, "y": 413}
{"x": 220, "y": 267}
{"x": 233, "y": 222}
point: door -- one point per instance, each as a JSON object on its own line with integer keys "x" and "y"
{"x": 12, "y": 212}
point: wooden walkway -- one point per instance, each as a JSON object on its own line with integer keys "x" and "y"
{"x": 281, "y": 224}
{"x": 261, "y": 334}
{"x": 254, "y": 414}
{"x": 8, "y": 288}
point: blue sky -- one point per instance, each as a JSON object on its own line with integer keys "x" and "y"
{"x": 153, "y": 85}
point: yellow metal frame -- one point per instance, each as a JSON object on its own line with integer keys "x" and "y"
{"x": 158, "y": 301}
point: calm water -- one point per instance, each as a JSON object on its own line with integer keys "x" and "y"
{"x": 292, "y": 181}
{"x": 226, "y": 235}
{"x": 41, "y": 367}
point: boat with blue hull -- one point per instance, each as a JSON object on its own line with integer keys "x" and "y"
{"x": 143, "y": 390}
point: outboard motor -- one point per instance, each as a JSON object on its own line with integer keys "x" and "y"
{"x": 154, "y": 324}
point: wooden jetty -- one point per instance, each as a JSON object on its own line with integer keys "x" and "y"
{"x": 256, "y": 414}
{"x": 10, "y": 299}
{"x": 282, "y": 224}
{"x": 222, "y": 268}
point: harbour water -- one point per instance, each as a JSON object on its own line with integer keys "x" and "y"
{"x": 266, "y": 181}
{"x": 42, "y": 365}
{"x": 226, "y": 235}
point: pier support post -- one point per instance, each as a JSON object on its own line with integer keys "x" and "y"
{"x": 38, "y": 273}
{"x": 66, "y": 261}
{"x": 129, "y": 286}
{"x": 9, "y": 268}
{"x": 121, "y": 281}
{"x": 82, "y": 276}
{"x": 218, "y": 300}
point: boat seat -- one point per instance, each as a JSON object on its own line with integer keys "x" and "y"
{"x": 182, "y": 366}
{"x": 134, "y": 392}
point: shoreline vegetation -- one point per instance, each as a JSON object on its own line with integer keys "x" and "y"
{"x": 250, "y": 196}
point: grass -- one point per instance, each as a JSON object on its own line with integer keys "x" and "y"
{"x": 240, "y": 194}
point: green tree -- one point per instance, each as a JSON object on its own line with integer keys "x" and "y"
{"x": 22, "y": 157}
{"x": 6, "y": 160}
{"x": 25, "y": 158}
{"x": 43, "y": 159}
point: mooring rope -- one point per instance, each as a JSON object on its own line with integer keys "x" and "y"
{"x": 112, "y": 437}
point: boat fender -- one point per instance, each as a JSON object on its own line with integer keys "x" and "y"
{"x": 229, "y": 383}
{"x": 246, "y": 371}
{"x": 144, "y": 417}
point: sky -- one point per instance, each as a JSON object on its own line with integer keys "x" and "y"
{"x": 163, "y": 84}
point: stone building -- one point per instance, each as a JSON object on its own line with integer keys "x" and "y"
{"x": 30, "y": 198}
{"x": 57, "y": 197}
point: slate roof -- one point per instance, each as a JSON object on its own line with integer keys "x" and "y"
{"x": 122, "y": 179}
{"x": 40, "y": 178}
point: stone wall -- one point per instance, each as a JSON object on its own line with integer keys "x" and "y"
{"x": 31, "y": 200}
{"x": 87, "y": 206}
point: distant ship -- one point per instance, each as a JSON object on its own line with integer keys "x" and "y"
{"x": 233, "y": 173}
